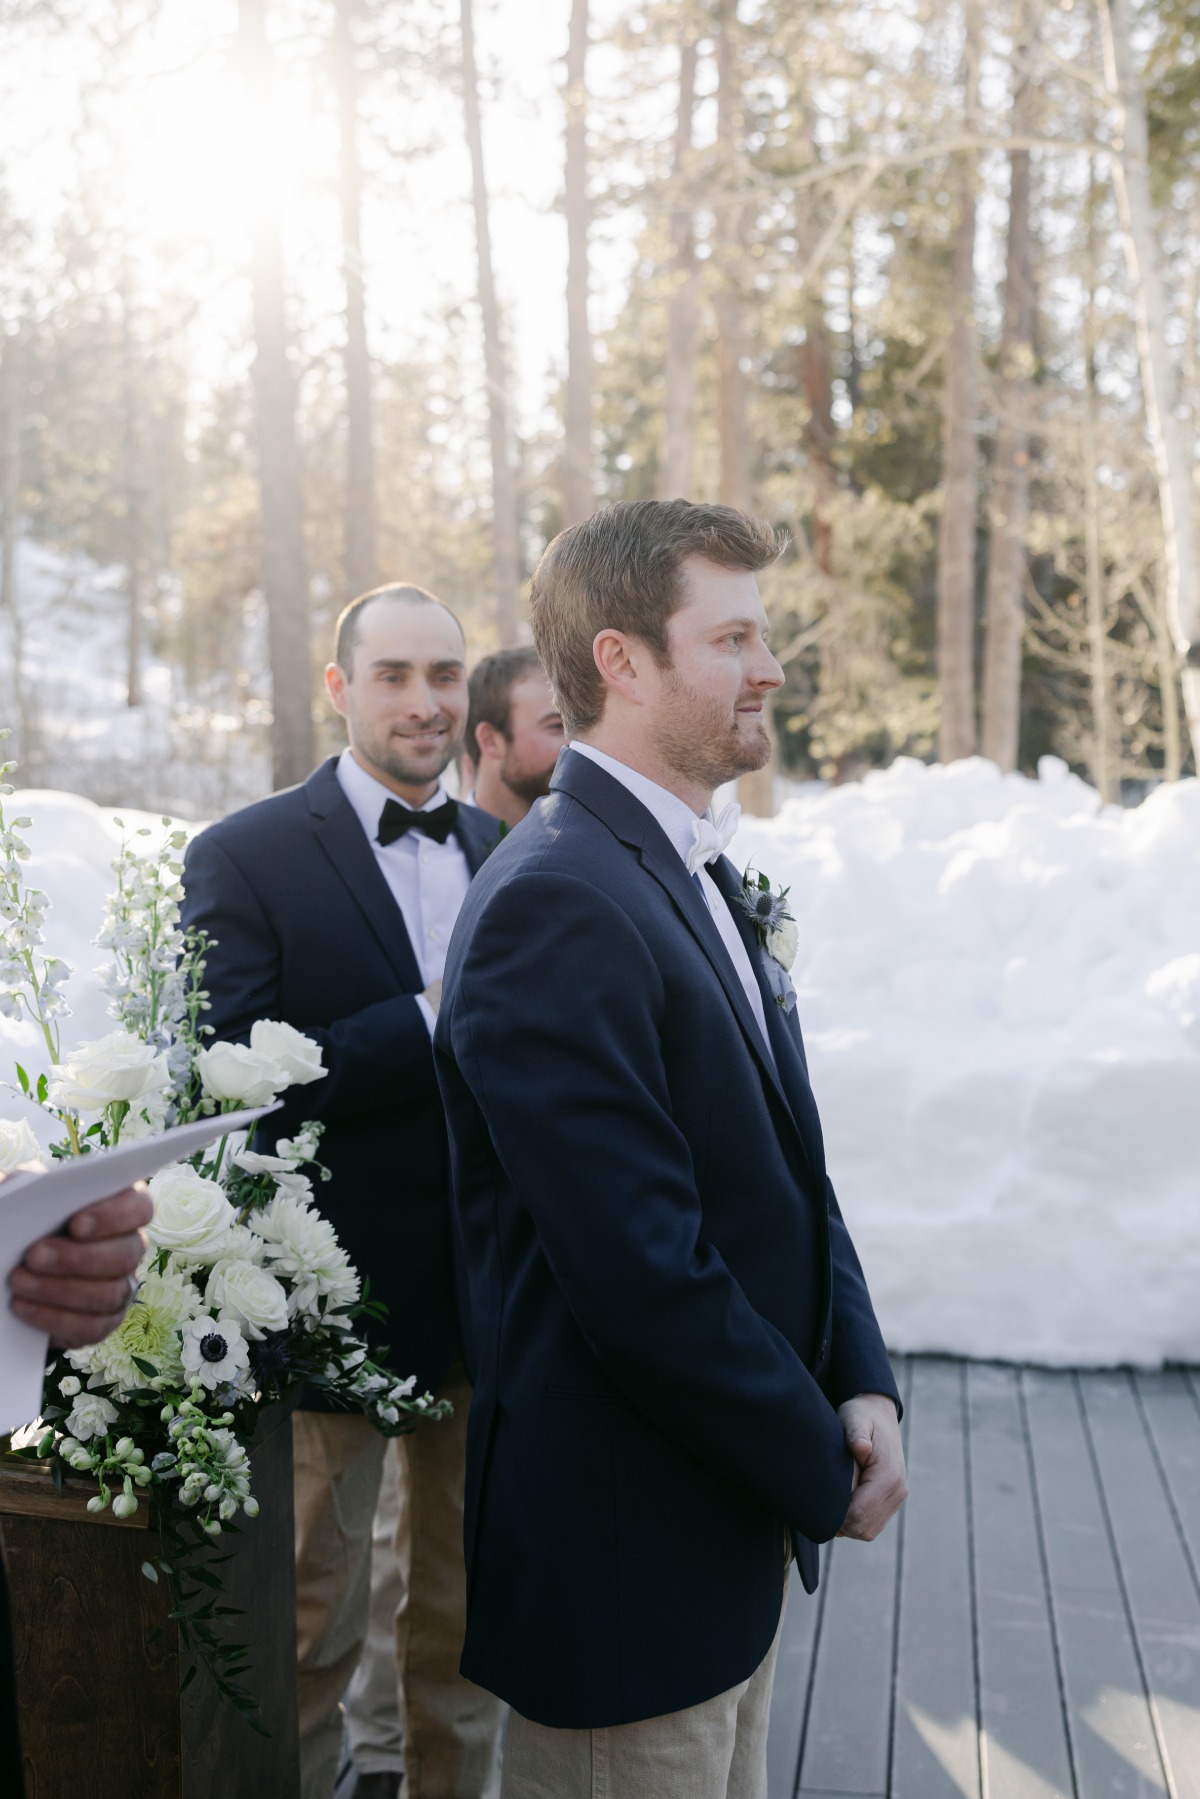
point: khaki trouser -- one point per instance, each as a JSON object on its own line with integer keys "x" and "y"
{"x": 717, "y": 1750}
{"x": 451, "y": 1735}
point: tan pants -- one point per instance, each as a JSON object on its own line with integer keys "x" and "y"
{"x": 717, "y": 1750}
{"x": 451, "y": 1736}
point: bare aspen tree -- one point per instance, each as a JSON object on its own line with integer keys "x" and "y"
{"x": 131, "y": 498}
{"x": 504, "y": 499}
{"x": 960, "y": 450}
{"x": 1131, "y": 176}
{"x": 579, "y": 490}
{"x": 678, "y": 458}
{"x": 1093, "y": 561}
{"x": 284, "y": 566}
{"x": 734, "y": 480}
{"x": 12, "y": 395}
{"x": 1010, "y": 481}
{"x": 360, "y": 556}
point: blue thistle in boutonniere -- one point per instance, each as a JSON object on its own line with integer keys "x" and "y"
{"x": 767, "y": 909}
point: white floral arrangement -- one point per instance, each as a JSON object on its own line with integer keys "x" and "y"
{"x": 243, "y": 1294}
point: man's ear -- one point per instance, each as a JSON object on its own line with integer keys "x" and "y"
{"x": 335, "y": 686}
{"x": 617, "y": 658}
{"x": 488, "y": 742}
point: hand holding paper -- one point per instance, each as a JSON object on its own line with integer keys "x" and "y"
{"x": 76, "y": 1286}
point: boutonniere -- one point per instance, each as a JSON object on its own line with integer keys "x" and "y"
{"x": 776, "y": 929}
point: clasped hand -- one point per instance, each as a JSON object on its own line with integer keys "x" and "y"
{"x": 77, "y": 1286}
{"x": 880, "y": 1484}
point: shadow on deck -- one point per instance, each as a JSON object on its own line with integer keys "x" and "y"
{"x": 1031, "y": 1628}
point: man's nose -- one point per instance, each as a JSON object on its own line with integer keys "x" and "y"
{"x": 421, "y": 700}
{"x": 767, "y": 672}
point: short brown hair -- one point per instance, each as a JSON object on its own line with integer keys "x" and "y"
{"x": 491, "y": 684}
{"x": 619, "y": 571}
{"x": 346, "y": 630}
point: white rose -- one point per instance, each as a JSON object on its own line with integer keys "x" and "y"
{"x": 90, "y": 1416}
{"x": 783, "y": 943}
{"x": 291, "y": 1050}
{"x": 191, "y": 1214}
{"x": 249, "y": 1294}
{"x": 116, "y": 1067}
{"x": 17, "y": 1143}
{"x": 235, "y": 1071}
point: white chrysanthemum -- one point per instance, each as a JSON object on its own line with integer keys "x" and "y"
{"x": 149, "y": 1330}
{"x": 303, "y": 1249}
{"x": 17, "y": 1143}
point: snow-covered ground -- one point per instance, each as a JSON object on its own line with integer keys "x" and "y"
{"x": 999, "y": 984}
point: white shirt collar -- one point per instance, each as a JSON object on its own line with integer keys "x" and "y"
{"x": 673, "y": 815}
{"x": 369, "y": 796}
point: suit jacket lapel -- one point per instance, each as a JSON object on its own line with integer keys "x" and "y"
{"x": 782, "y": 1027}
{"x": 629, "y": 820}
{"x": 343, "y": 840}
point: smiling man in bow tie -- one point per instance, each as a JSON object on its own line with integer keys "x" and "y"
{"x": 331, "y": 907}
{"x": 680, "y": 1383}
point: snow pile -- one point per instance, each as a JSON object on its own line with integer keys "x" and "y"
{"x": 999, "y": 985}
{"x": 1000, "y": 990}
{"x": 73, "y": 844}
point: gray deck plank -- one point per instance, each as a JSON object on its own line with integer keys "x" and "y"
{"x": 1172, "y": 1408}
{"x": 1112, "y": 1732}
{"x": 789, "y": 1700}
{"x": 1155, "y": 1570}
{"x": 848, "y": 1733}
{"x": 1024, "y": 1746}
{"x": 935, "y": 1745}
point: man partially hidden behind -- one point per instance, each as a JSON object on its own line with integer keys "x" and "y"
{"x": 514, "y": 733}
{"x": 680, "y": 1382}
{"x": 331, "y": 906}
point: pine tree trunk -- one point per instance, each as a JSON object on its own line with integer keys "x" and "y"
{"x": 1010, "y": 481}
{"x": 960, "y": 454}
{"x": 284, "y": 566}
{"x": 734, "y": 480}
{"x": 579, "y": 491}
{"x": 504, "y": 500}
{"x": 1131, "y": 174}
{"x": 12, "y": 389}
{"x": 678, "y": 460}
{"x": 360, "y": 548}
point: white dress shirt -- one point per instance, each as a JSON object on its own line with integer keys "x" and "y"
{"x": 428, "y": 880}
{"x": 677, "y": 821}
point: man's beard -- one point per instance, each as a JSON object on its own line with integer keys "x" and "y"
{"x": 387, "y": 753}
{"x": 700, "y": 740}
{"x": 528, "y": 784}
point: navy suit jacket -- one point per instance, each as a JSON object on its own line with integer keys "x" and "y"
{"x": 303, "y": 927}
{"x": 666, "y": 1305}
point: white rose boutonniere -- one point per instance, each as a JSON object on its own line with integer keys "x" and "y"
{"x": 777, "y": 932}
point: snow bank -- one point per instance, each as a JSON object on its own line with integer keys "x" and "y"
{"x": 999, "y": 984}
{"x": 1000, "y": 989}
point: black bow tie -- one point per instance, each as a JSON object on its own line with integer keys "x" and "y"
{"x": 397, "y": 819}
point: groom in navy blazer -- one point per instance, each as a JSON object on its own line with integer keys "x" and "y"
{"x": 680, "y": 1382}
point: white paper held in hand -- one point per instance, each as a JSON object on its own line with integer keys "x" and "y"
{"x": 37, "y": 1202}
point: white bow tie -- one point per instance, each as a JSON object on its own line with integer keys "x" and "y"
{"x": 712, "y": 837}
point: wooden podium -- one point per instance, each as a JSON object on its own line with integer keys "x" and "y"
{"x": 101, "y": 1713}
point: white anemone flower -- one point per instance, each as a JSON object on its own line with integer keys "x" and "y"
{"x": 214, "y": 1350}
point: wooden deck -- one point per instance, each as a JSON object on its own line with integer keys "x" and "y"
{"x": 1030, "y": 1629}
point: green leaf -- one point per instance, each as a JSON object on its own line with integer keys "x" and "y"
{"x": 43, "y": 1087}
{"x": 188, "y": 1678}
{"x": 147, "y": 1368}
{"x": 151, "y": 1572}
{"x": 23, "y": 1078}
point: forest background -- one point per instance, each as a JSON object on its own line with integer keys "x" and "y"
{"x": 301, "y": 295}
